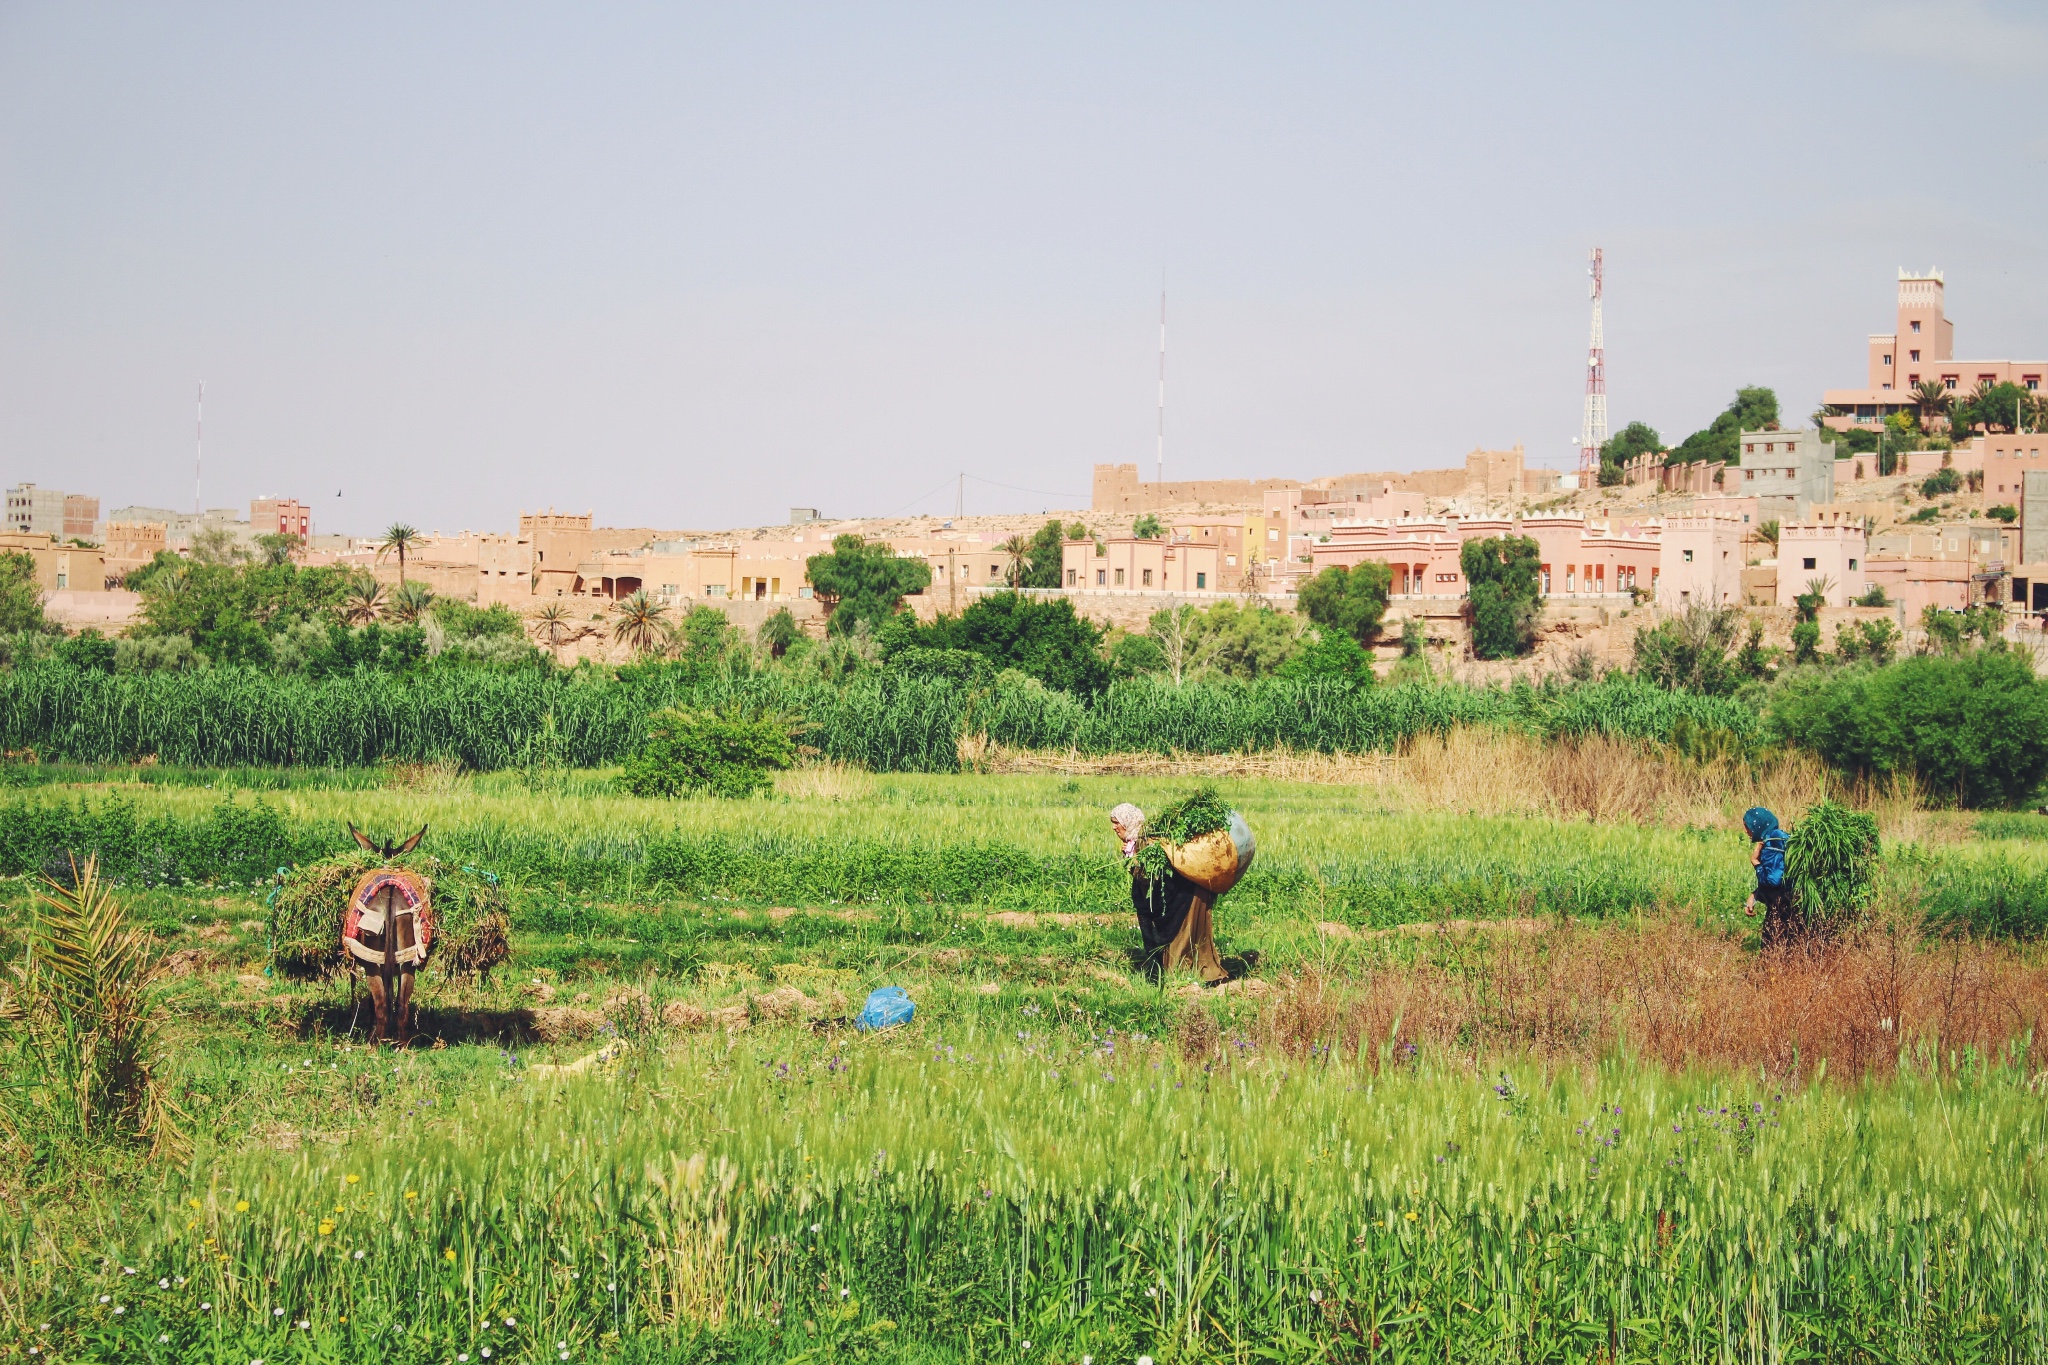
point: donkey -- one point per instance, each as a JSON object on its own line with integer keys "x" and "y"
{"x": 388, "y": 930}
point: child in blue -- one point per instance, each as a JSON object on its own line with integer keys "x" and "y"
{"x": 1773, "y": 886}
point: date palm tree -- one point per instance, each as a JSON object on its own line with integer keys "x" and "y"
{"x": 639, "y": 627}
{"x": 410, "y": 602}
{"x": 552, "y": 623}
{"x": 400, "y": 538}
{"x": 362, "y": 601}
{"x": 1017, "y": 550}
{"x": 1933, "y": 400}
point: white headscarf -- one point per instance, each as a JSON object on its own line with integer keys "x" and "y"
{"x": 1128, "y": 822}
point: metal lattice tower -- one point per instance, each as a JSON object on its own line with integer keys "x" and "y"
{"x": 1594, "y": 434}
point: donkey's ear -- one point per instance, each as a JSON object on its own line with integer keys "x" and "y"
{"x": 410, "y": 844}
{"x": 363, "y": 839}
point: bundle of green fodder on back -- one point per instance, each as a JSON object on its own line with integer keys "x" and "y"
{"x": 1185, "y": 820}
{"x": 1832, "y": 858}
{"x": 470, "y": 914}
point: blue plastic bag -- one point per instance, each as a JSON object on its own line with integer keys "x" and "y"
{"x": 886, "y": 1008}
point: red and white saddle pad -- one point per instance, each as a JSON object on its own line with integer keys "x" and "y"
{"x": 389, "y": 905}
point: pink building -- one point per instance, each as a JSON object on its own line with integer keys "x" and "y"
{"x": 1917, "y": 584}
{"x": 1576, "y": 558}
{"x": 1921, "y": 350}
{"x": 270, "y": 516}
{"x": 1833, "y": 552}
{"x": 1700, "y": 561}
{"x": 2006, "y": 460}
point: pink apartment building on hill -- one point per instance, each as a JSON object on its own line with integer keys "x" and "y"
{"x": 1921, "y": 350}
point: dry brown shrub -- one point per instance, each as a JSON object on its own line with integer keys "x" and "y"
{"x": 566, "y": 1023}
{"x": 1197, "y": 1032}
{"x": 1672, "y": 993}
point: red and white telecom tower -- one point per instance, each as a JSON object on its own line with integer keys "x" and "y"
{"x": 1594, "y": 434}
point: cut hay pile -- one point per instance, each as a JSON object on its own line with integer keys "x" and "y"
{"x": 470, "y": 920}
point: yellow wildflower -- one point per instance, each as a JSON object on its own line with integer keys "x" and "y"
{"x": 449, "y": 1254}
{"x": 241, "y": 1206}
{"x": 352, "y": 1179}
{"x": 325, "y": 1227}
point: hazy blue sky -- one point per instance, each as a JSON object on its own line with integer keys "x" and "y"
{"x": 688, "y": 266}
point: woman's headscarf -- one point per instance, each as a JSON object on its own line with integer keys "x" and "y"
{"x": 1758, "y": 821}
{"x": 1128, "y": 822}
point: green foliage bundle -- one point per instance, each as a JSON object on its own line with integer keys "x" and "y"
{"x": 1971, "y": 728}
{"x": 81, "y": 1018}
{"x": 1832, "y": 859}
{"x": 862, "y": 582}
{"x": 1200, "y": 812}
{"x": 727, "y": 754}
{"x": 1351, "y": 600}
{"x": 472, "y": 919}
{"x": 1502, "y": 593}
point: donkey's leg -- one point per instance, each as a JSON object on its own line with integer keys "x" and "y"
{"x": 379, "y": 1003}
{"x": 404, "y": 984}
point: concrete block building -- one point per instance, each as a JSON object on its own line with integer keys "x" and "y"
{"x": 36, "y": 511}
{"x": 1787, "y": 472}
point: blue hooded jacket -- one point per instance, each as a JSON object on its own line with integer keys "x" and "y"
{"x": 1763, "y": 827}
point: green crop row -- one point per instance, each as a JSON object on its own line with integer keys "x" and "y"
{"x": 997, "y": 843}
{"x": 780, "y": 1198}
{"x": 889, "y": 723}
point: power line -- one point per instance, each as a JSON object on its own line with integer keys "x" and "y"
{"x": 1042, "y": 492}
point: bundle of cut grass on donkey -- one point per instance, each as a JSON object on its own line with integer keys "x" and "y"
{"x": 470, "y": 919}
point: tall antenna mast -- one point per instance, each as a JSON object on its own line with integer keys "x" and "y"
{"x": 1595, "y": 433}
{"x": 198, "y": 444}
{"x": 1162, "y": 378}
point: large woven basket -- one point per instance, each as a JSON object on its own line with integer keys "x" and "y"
{"x": 1217, "y": 860}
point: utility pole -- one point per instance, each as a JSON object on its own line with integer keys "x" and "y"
{"x": 1594, "y": 433}
{"x": 198, "y": 444}
{"x": 1162, "y": 378}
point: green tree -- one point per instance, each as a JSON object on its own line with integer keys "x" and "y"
{"x": 399, "y": 539}
{"x": 639, "y": 626}
{"x": 1332, "y": 656}
{"x": 779, "y": 632}
{"x": 21, "y": 596}
{"x": 1044, "y": 557}
{"x": 1147, "y": 527}
{"x": 1353, "y": 600}
{"x": 88, "y": 651}
{"x": 279, "y": 547}
{"x": 1135, "y": 655}
{"x": 410, "y": 603}
{"x": 2004, "y": 512}
{"x": 1972, "y": 728}
{"x": 553, "y": 625}
{"x": 1752, "y": 409}
{"x": 1041, "y": 638}
{"x": 1501, "y": 594}
{"x": 1995, "y": 407}
{"x": 1637, "y": 438}
{"x": 1934, "y": 400}
{"x": 1690, "y": 652}
{"x": 860, "y": 581}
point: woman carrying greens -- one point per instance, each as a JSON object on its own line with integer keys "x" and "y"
{"x": 1196, "y": 852}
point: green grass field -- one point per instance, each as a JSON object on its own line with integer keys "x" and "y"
{"x": 1056, "y": 1151}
